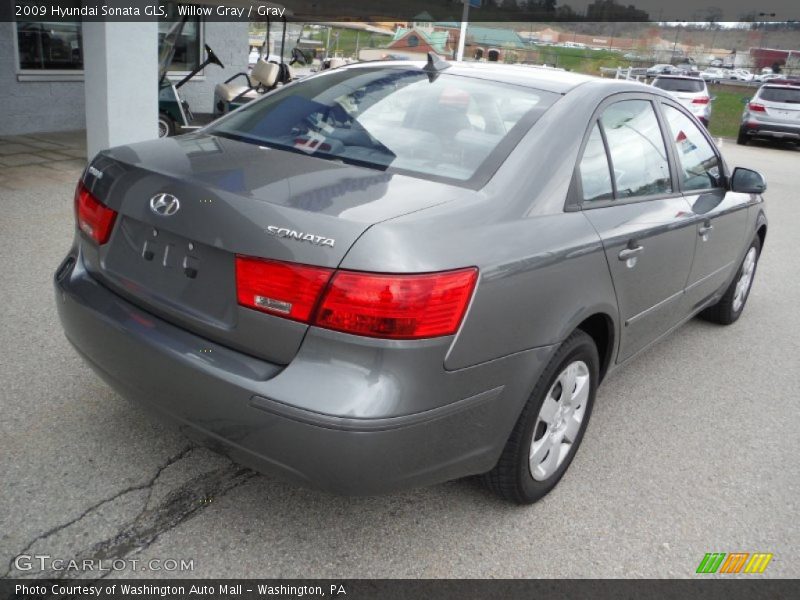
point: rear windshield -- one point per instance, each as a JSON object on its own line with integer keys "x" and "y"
{"x": 776, "y": 94}
{"x": 679, "y": 85}
{"x": 444, "y": 127}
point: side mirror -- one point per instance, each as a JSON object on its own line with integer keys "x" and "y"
{"x": 747, "y": 181}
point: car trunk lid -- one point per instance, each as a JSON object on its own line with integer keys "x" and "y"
{"x": 233, "y": 199}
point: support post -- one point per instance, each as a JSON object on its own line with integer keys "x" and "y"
{"x": 120, "y": 62}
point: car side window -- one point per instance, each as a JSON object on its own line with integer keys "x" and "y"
{"x": 594, "y": 170}
{"x": 699, "y": 164}
{"x": 637, "y": 150}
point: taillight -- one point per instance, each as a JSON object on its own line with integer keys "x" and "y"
{"x": 754, "y": 107}
{"x": 397, "y": 306}
{"x": 370, "y": 304}
{"x": 701, "y": 100}
{"x": 284, "y": 289}
{"x": 94, "y": 219}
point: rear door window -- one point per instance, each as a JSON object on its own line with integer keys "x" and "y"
{"x": 594, "y": 169}
{"x": 637, "y": 150}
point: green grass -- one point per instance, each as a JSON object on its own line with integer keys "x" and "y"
{"x": 726, "y": 108}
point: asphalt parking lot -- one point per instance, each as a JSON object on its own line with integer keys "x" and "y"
{"x": 692, "y": 449}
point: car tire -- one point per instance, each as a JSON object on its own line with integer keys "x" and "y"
{"x": 729, "y": 308}
{"x": 166, "y": 126}
{"x": 742, "y": 138}
{"x": 513, "y": 477}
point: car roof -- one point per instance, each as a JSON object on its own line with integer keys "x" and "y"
{"x": 781, "y": 86}
{"x": 541, "y": 78}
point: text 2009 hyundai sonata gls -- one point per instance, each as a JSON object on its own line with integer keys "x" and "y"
{"x": 392, "y": 275}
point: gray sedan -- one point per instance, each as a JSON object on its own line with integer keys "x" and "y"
{"x": 396, "y": 274}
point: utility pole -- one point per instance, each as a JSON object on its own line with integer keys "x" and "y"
{"x": 462, "y": 37}
{"x": 675, "y": 45}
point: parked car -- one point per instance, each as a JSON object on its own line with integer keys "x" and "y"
{"x": 768, "y": 77}
{"x": 692, "y": 92}
{"x": 664, "y": 69}
{"x": 688, "y": 68}
{"x": 363, "y": 282}
{"x": 740, "y": 75}
{"x": 713, "y": 75}
{"x": 773, "y": 112}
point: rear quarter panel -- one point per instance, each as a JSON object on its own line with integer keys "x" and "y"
{"x": 542, "y": 269}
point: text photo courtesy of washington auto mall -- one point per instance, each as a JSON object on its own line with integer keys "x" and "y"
{"x": 399, "y": 299}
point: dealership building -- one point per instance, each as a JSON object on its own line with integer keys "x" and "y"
{"x": 59, "y": 76}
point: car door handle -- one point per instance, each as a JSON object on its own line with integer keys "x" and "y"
{"x": 629, "y": 253}
{"x": 705, "y": 230}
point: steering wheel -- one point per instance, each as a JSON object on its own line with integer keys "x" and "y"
{"x": 213, "y": 57}
{"x": 298, "y": 56}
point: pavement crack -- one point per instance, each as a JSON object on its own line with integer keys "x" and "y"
{"x": 135, "y": 488}
{"x": 179, "y": 505}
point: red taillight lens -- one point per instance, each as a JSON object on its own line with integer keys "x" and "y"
{"x": 756, "y": 107}
{"x": 279, "y": 288}
{"x": 701, "y": 100}
{"x": 94, "y": 219}
{"x": 368, "y": 304}
{"x": 397, "y": 306}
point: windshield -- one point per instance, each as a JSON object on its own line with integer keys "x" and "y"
{"x": 394, "y": 118}
{"x": 679, "y": 85}
{"x": 778, "y": 94}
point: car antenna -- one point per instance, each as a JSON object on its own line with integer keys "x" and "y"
{"x": 435, "y": 66}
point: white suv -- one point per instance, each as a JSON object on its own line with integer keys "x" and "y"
{"x": 692, "y": 92}
{"x": 774, "y": 112}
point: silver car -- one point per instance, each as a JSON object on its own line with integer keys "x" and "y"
{"x": 692, "y": 92}
{"x": 396, "y": 274}
{"x": 773, "y": 113}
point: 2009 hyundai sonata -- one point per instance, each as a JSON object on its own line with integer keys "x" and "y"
{"x": 392, "y": 275}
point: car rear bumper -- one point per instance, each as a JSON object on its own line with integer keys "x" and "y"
{"x": 755, "y": 128}
{"x": 259, "y": 414}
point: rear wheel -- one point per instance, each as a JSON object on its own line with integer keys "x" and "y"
{"x": 551, "y": 426}
{"x": 730, "y": 306}
{"x": 742, "y": 138}
{"x": 166, "y": 126}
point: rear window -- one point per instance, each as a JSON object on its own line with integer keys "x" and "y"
{"x": 679, "y": 85}
{"x": 777, "y": 94}
{"x": 451, "y": 127}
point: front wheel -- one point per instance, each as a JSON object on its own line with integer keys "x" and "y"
{"x": 550, "y": 429}
{"x": 730, "y": 306}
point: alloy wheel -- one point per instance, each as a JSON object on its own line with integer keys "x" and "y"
{"x": 559, "y": 421}
{"x": 745, "y": 280}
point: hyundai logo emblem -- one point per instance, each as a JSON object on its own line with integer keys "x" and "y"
{"x": 165, "y": 205}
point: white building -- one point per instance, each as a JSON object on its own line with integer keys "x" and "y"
{"x": 42, "y": 75}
